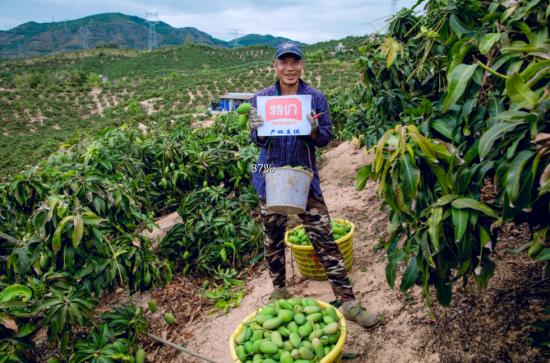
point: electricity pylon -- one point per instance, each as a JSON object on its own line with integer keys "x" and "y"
{"x": 152, "y": 19}
{"x": 84, "y": 33}
{"x": 236, "y": 33}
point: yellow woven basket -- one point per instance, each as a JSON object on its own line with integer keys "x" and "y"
{"x": 335, "y": 355}
{"x": 309, "y": 265}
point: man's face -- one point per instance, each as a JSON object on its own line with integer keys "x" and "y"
{"x": 289, "y": 69}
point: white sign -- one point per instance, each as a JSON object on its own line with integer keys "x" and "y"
{"x": 284, "y": 115}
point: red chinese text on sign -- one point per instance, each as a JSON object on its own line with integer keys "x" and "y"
{"x": 287, "y": 109}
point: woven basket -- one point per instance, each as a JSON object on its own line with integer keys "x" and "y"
{"x": 309, "y": 265}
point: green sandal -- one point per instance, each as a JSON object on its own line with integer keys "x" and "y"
{"x": 361, "y": 316}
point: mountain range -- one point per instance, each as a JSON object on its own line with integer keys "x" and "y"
{"x": 109, "y": 30}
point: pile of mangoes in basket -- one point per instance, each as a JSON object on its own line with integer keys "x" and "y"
{"x": 289, "y": 331}
{"x": 298, "y": 235}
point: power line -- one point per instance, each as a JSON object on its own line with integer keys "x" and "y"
{"x": 370, "y": 23}
{"x": 393, "y": 10}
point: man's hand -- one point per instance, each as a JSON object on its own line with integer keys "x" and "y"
{"x": 255, "y": 119}
{"x": 313, "y": 122}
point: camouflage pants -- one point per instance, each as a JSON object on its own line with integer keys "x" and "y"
{"x": 316, "y": 222}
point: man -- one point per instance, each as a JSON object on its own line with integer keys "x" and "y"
{"x": 293, "y": 150}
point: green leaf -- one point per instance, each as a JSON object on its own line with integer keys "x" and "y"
{"x": 544, "y": 255}
{"x": 458, "y": 79}
{"x": 444, "y": 200}
{"x": 502, "y": 61}
{"x": 487, "y": 42}
{"x": 459, "y": 51}
{"x": 470, "y": 203}
{"x": 391, "y": 267}
{"x": 379, "y": 151}
{"x": 410, "y": 275}
{"x": 423, "y": 242}
{"x": 535, "y": 71}
{"x": 459, "y": 28}
{"x": 68, "y": 258}
{"x": 15, "y": 291}
{"x": 362, "y": 176}
{"x": 444, "y": 151}
{"x": 78, "y": 230}
{"x": 90, "y": 218}
{"x": 443, "y": 177}
{"x": 423, "y": 143}
{"x": 26, "y": 329}
{"x": 490, "y": 136}
{"x": 515, "y": 117}
{"x": 410, "y": 175}
{"x": 434, "y": 226}
{"x": 513, "y": 176}
{"x": 511, "y": 150}
{"x": 391, "y": 272}
{"x": 484, "y": 273}
{"x": 56, "y": 239}
{"x": 520, "y": 93}
{"x": 460, "y": 222}
{"x": 484, "y": 236}
{"x": 445, "y": 126}
{"x": 400, "y": 199}
{"x": 223, "y": 254}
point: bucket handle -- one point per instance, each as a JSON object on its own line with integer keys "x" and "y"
{"x": 308, "y": 154}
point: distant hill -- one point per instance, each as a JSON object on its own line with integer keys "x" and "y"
{"x": 110, "y": 29}
{"x": 256, "y": 39}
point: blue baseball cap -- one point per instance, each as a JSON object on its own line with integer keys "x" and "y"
{"x": 288, "y": 48}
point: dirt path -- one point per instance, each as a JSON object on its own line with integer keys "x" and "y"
{"x": 398, "y": 340}
{"x": 489, "y": 326}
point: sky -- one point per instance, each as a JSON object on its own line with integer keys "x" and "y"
{"x": 305, "y": 21}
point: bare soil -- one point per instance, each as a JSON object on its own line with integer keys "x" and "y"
{"x": 487, "y": 326}
{"x": 493, "y": 325}
{"x": 95, "y": 92}
{"x": 148, "y": 105}
{"x": 202, "y": 123}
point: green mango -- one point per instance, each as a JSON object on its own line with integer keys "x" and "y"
{"x": 244, "y": 108}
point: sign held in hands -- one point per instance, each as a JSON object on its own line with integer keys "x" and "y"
{"x": 284, "y": 115}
